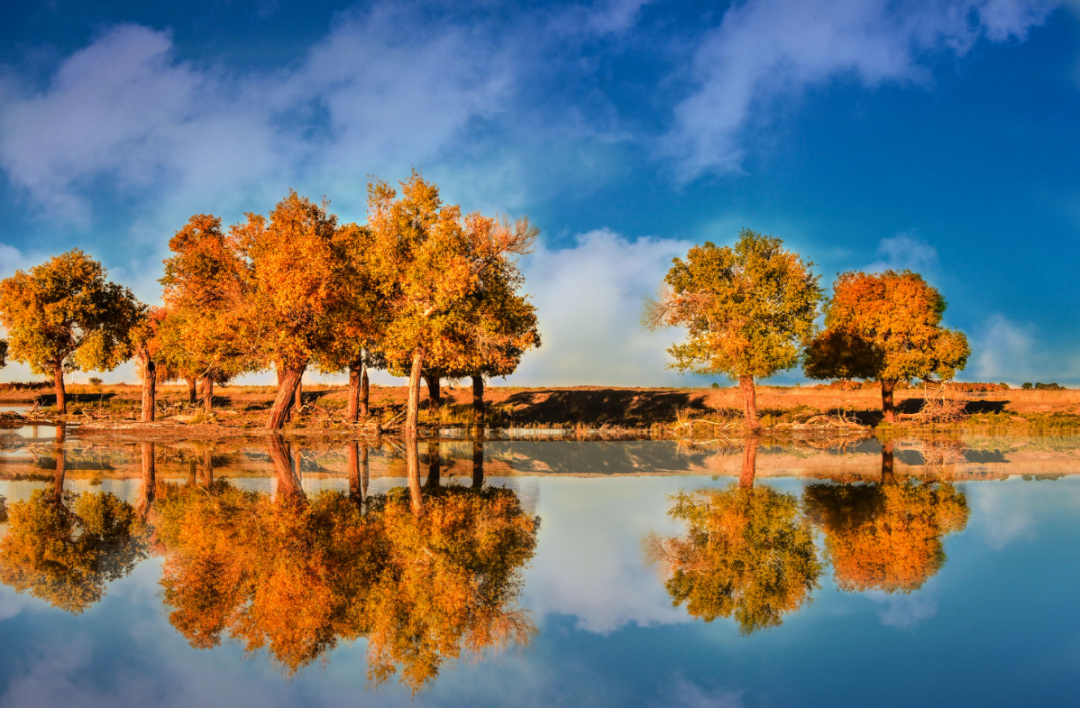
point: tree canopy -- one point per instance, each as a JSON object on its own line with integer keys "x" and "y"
{"x": 747, "y": 310}
{"x": 63, "y": 316}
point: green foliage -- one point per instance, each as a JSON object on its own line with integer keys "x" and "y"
{"x": 64, "y": 316}
{"x": 747, "y": 309}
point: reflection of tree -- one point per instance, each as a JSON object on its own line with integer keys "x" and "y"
{"x": 296, "y": 575}
{"x": 886, "y": 536}
{"x": 67, "y": 556}
{"x": 747, "y": 553}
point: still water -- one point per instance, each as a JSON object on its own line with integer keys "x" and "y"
{"x": 931, "y": 573}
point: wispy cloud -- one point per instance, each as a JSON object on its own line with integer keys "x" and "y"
{"x": 904, "y": 252}
{"x": 765, "y": 51}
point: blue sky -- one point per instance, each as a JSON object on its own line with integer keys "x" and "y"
{"x": 940, "y": 136}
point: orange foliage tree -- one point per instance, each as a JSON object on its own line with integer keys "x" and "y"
{"x": 747, "y": 310}
{"x": 885, "y": 327}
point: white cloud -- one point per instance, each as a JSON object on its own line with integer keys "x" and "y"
{"x": 904, "y": 611}
{"x": 1005, "y": 351}
{"x": 589, "y": 299}
{"x": 768, "y": 50}
{"x": 904, "y": 252}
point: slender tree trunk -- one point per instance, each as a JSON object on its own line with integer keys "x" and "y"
{"x": 365, "y": 391}
{"x": 288, "y": 481}
{"x": 208, "y": 393}
{"x": 432, "y": 480}
{"x": 365, "y": 470}
{"x": 148, "y": 481}
{"x": 434, "y": 393}
{"x": 352, "y": 412}
{"x": 149, "y": 389}
{"x": 478, "y": 402}
{"x": 888, "y": 405}
{"x": 280, "y": 379}
{"x": 61, "y": 466}
{"x": 746, "y": 383}
{"x": 286, "y": 395}
{"x": 299, "y": 403}
{"x": 749, "y": 462}
{"x": 477, "y": 464}
{"x": 412, "y": 414}
{"x": 887, "y": 475}
{"x": 208, "y": 468}
{"x": 61, "y": 395}
{"x": 412, "y": 464}
{"x": 192, "y": 397}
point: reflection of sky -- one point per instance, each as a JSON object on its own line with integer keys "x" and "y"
{"x": 997, "y": 626}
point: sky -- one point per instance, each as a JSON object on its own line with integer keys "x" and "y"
{"x": 867, "y": 134}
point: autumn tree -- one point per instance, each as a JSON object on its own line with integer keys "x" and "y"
{"x": 63, "y": 316}
{"x": 67, "y": 556}
{"x": 433, "y": 261}
{"x": 205, "y": 291}
{"x": 885, "y": 327}
{"x": 886, "y": 536}
{"x": 147, "y": 345}
{"x": 747, "y": 310}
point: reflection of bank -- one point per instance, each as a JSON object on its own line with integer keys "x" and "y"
{"x": 748, "y": 552}
{"x": 887, "y": 535}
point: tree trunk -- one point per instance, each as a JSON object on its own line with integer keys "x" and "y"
{"x": 434, "y": 393}
{"x": 149, "y": 389}
{"x": 208, "y": 393}
{"x": 280, "y": 379}
{"x": 148, "y": 481}
{"x": 412, "y": 414}
{"x": 412, "y": 464}
{"x": 478, "y": 402}
{"x": 192, "y": 397}
{"x": 286, "y": 395}
{"x": 477, "y": 464}
{"x": 888, "y": 405}
{"x": 299, "y": 402}
{"x": 887, "y": 476}
{"x": 61, "y": 466}
{"x": 749, "y": 462}
{"x": 61, "y": 395}
{"x": 288, "y": 481}
{"x": 746, "y": 383}
{"x": 365, "y": 390}
{"x": 352, "y": 411}
{"x": 432, "y": 480}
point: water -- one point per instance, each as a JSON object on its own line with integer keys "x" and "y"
{"x": 932, "y": 573}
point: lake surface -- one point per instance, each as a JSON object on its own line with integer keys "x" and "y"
{"x": 546, "y": 573}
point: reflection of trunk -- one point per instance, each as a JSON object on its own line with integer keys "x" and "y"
{"x": 888, "y": 406}
{"x": 149, "y": 388}
{"x": 434, "y": 392}
{"x": 288, "y": 482}
{"x": 477, "y": 464}
{"x": 286, "y": 395}
{"x": 432, "y": 480}
{"x": 357, "y": 476}
{"x": 365, "y": 389}
{"x": 414, "y": 395}
{"x": 193, "y": 471}
{"x": 208, "y": 468}
{"x": 208, "y": 393}
{"x": 58, "y": 382}
{"x": 749, "y": 462}
{"x": 147, "y": 501}
{"x": 478, "y": 401}
{"x": 192, "y": 395}
{"x": 58, "y": 478}
{"x": 412, "y": 464}
{"x": 365, "y": 471}
{"x": 299, "y": 467}
{"x": 746, "y": 383}
{"x": 887, "y": 475}
{"x": 352, "y": 411}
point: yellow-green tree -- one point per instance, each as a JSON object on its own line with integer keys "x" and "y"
{"x": 432, "y": 262}
{"x": 63, "y": 316}
{"x": 68, "y": 556}
{"x": 885, "y": 327}
{"x": 747, "y": 310}
{"x": 205, "y": 290}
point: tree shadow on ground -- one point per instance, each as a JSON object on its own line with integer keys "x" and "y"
{"x": 49, "y": 399}
{"x": 630, "y": 408}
